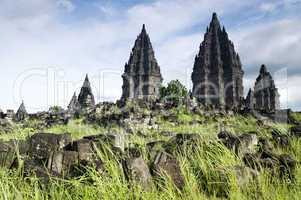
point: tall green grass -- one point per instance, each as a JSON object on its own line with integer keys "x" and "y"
{"x": 208, "y": 173}
{"x": 208, "y": 169}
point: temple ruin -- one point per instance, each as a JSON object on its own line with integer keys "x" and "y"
{"x": 266, "y": 96}
{"x": 21, "y": 113}
{"x": 217, "y": 73}
{"x": 142, "y": 77}
{"x": 86, "y": 97}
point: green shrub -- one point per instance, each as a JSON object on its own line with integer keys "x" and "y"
{"x": 174, "y": 92}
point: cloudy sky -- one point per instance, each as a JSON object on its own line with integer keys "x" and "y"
{"x": 47, "y": 46}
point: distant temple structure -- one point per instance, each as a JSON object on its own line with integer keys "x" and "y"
{"x": 265, "y": 96}
{"x": 142, "y": 77}
{"x": 21, "y": 113}
{"x": 217, "y": 73}
{"x": 86, "y": 97}
{"x": 73, "y": 106}
{"x": 217, "y": 76}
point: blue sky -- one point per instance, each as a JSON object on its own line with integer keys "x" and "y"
{"x": 47, "y": 46}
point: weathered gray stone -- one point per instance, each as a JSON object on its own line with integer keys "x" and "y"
{"x": 84, "y": 149}
{"x": 142, "y": 77}
{"x": 42, "y": 144}
{"x": 63, "y": 162}
{"x": 217, "y": 73}
{"x": 244, "y": 143}
{"x": 228, "y": 139}
{"x": 283, "y": 165}
{"x": 114, "y": 140}
{"x": 9, "y": 152}
{"x": 20, "y": 146}
{"x": 136, "y": 169}
{"x": 260, "y": 160}
{"x": 153, "y": 148}
{"x": 70, "y": 158}
{"x": 34, "y": 167}
{"x": 55, "y": 162}
{"x": 180, "y": 142}
{"x": 166, "y": 164}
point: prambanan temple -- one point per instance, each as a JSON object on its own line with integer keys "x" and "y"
{"x": 217, "y": 73}
{"x": 265, "y": 96}
{"x": 217, "y": 76}
{"x": 142, "y": 77}
{"x": 86, "y": 97}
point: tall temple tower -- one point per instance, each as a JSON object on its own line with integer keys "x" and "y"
{"x": 74, "y": 105}
{"x": 217, "y": 73}
{"x": 266, "y": 94}
{"x": 21, "y": 114}
{"x": 86, "y": 97}
{"x": 142, "y": 77}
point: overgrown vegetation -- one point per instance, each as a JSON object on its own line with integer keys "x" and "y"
{"x": 174, "y": 92}
{"x": 297, "y": 116}
{"x": 208, "y": 170}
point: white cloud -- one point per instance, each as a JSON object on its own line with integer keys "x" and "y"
{"x": 66, "y": 4}
{"x": 166, "y": 17}
{"x": 107, "y": 10}
{"x": 20, "y": 9}
{"x": 277, "y": 44}
{"x": 268, "y": 7}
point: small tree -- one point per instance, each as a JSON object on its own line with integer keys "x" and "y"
{"x": 174, "y": 92}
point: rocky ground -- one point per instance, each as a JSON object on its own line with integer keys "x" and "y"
{"x": 142, "y": 151}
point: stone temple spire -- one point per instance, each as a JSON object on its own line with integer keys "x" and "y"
{"x": 86, "y": 97}
{"x": 217, "y": 72}
{"x": 143, "y": 30}
{"x": 74, "y": 104}
{"x": 21, "y": 113}
{"x": 214, "y": 24}
{"x": 142, "y": 77}
{"x": 263, "y": 70}
{"x": 265, "y": 92}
